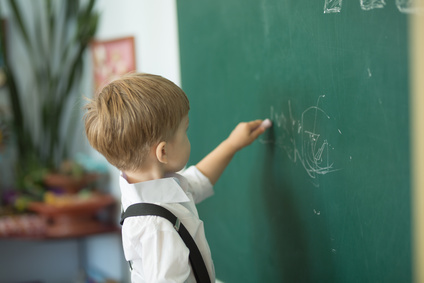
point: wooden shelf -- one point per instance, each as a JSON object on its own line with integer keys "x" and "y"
{"x": 81, "y": 218}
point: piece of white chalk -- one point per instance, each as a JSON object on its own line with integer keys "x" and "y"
{"x": 266, "y": 123}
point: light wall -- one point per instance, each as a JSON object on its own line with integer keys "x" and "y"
{"x": 154, "y": 27}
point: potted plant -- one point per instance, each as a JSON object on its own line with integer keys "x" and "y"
{"x": 54, "y": 40}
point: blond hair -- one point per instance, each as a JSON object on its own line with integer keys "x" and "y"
{"x": 131, "y": 114}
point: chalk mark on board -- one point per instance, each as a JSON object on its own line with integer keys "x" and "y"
{"x": 302, "y": 141}
{"x": 369, "y": 73}
{"x": 410, "y": 6}
{"x": 372, "y": 4}
{"x": 317, "y": 212}
{"x": 332, "y": 6}
{"x": 404, "y": 6}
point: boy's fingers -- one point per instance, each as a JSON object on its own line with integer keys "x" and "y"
{"x": 257, "y": 132}
{"x": 253, "y": 125}
{"x": 258, "y": 127}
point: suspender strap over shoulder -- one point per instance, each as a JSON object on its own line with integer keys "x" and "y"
{"x": 196, "y": 260}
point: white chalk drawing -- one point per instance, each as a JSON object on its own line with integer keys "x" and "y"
{"x": 332, "y": 6}
{"x": 404, "y": 6}
{"x": 302, "y": 141}
{"x": 369, "y": 73}
{"x": 372, "y": 4}
{"x": 409, "y": 6}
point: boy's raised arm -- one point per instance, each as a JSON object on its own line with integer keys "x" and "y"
{"x": 214, "y": 164}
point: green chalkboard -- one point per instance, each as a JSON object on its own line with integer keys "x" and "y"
{"x": 324, "y": 196}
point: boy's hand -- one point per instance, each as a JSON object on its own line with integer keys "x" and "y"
{"x": 244, "y": 134}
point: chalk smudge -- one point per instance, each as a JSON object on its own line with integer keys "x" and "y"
{"x": 410, "y": 6}
{"x": 332, "y": 6}
{"x": 372, "y": 4}
{"x": 404, "y": 6}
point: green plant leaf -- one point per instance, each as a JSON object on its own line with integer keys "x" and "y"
{"x": 64, "y": 38}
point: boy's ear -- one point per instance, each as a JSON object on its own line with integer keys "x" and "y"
{"x": 161, "y": 153}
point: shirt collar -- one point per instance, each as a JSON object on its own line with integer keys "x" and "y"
{"x": 171, "y": 189}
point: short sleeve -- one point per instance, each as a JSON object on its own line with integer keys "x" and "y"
{"x": 198, "y": 184}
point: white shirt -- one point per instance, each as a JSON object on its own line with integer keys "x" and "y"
{"x": 155, "y": 249}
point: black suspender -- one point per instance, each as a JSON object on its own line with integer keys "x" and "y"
{"x": 196, "y": 260}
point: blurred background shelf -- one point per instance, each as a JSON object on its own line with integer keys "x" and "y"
{"x": 65, "y": 217}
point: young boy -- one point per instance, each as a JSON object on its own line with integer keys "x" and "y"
{"x": 139, "y": 123}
